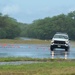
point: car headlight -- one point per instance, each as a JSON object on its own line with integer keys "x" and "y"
{"x": 66, "y": 42}
{"x": 52, "y": 41}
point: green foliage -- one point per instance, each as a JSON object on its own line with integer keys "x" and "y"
{"x": 40, "y": 29}
{"x": 47, "y": 27}
{"x": 8, "y": 27}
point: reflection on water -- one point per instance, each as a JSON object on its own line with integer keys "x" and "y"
{"x": 60, "y": 53}
{"x": 33, "y": 50}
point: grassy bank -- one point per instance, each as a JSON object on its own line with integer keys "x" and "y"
{"x": 47, "y": 68}
{"x": 10, "y": 59}
{"x": 18, "y": 41}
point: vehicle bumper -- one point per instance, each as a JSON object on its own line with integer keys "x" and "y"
{"x": 53, "y": 46}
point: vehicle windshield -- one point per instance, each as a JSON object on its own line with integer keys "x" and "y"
{"x": 60, "y": 36}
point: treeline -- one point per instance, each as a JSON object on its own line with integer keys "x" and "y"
{"x": 47, "y": 27}
{"x": 40, "y": 29}
{"x": 9, "y": 28}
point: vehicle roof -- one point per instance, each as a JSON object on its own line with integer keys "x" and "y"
{"x": 59, "y": 35}
{"x": 62, "y": 34}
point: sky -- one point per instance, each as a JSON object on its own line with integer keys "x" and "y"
{"x": 26, "y": 11}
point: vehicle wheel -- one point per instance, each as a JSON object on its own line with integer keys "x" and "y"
{"x": 66, "y": 49}
{"x": 51, "y": 48}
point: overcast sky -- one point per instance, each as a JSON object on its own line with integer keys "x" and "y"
{"x": 27, "y": 11}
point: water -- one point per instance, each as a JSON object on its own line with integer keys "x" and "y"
{"x": 33, "y": 51}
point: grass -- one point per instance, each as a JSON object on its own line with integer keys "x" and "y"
{"x": 9, "y": 59}
{"x": 18, "y": 41}
{"x": 35, "y": 41}
{"x": 47, "y": 68}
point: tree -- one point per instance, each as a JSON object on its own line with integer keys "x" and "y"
{"x": 8, "y": 27}
{"x": 47, "y": 27}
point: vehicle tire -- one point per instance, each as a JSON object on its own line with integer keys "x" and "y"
{"x": 51, "y": 48}
{"x": 66, "y": 49}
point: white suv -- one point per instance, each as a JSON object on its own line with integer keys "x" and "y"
{"x": 60, "y": 40}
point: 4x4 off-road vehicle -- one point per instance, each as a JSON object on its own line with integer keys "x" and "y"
{"x": 60, "y": 40}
